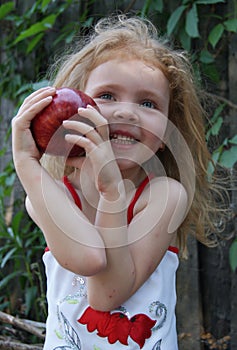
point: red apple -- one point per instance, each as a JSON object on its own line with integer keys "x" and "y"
{"x": 47, "y": 129}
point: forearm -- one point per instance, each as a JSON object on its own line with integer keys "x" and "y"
{"x": 109, "y": 288}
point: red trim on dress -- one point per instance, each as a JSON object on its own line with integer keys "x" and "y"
{"x": 73, "y": 192}
{"x": 173, "y": 249}
{"x": 136, "y": 197}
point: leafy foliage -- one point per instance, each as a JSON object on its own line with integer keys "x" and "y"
{"x": 27, "y": 30}
{"x": 21, "y": 245}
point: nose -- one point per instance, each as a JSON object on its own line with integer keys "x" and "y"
{"x": 125, "y": 112}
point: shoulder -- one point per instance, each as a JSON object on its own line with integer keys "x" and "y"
{"x": 166, "y": 199}
{"x": 171, "y": 187}
{"x": 174, "y": 198}
{"x": 165, "y": 189}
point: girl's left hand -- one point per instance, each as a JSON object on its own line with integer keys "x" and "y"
{"x": 96, "y": 143}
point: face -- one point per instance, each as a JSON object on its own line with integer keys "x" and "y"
{"x": 134, "y": 98}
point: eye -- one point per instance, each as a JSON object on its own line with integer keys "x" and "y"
{"x": 106, "y": 96}
{"x": 148, "y": 104}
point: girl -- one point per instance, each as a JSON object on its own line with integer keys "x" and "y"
{"x": 114, "y": 227}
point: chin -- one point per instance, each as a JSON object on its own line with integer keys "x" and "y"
{"x": 127, "y": 164}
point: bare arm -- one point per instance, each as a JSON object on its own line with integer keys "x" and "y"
{"x": 160, "y": 212}
{"x": 75, "y": 243}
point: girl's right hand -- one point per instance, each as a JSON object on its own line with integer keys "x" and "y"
{"x": 23, "y": 144}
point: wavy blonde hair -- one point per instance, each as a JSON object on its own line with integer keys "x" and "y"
{"x": 134, "y": 37}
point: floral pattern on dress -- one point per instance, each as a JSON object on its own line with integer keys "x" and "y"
{"x": 117, "y": 326}
{"x": 70, "y": 335}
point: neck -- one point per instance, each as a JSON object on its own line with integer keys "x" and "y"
{"x": 134, "y": 175}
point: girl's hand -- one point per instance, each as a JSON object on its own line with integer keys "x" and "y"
{"x": 23, "y": 142}
{"x": 99, "y": 153}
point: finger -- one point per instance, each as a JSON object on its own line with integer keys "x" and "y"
{"x": 40, "y": 93}
{"x": 45, "y": 95}
{"x": 97, "y": 119}
{"x": 28, "y": 113}
{"x": 81, "y": 141}
{"x": 84, "y": 129}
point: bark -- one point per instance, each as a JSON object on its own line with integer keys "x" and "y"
{"x": 32, "y": 327}
{"x": 232, "y": 67}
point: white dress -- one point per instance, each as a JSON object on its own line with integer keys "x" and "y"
{"x": 145, "y": 321}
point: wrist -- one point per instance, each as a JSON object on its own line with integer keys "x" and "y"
{"x": 113, "y": 200}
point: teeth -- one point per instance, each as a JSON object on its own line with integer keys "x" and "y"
{"x": 122, "y": 139}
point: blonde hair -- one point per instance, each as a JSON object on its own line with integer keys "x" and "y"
{"x": 137, "y": 38}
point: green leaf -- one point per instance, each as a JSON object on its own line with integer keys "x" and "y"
{"x": 150, "y": 6}
{"x": 229, "y": 157}
{"x": 208, "y": 2}
{"x": 34, "y": 42}
{"x": 185, "y": 39}
{"x": 216, "y": 126}
{"x": 233, "y": 255}
{"x": 216, "y": 154}
{"x": 206, "y": 57}
{"x": 33, "y": 30}
{"x": 6, "y": 8}
{"x": 233, "y": 140}
{"x": 158, "y": 6}
{"x": 215, "y": 157}
{"x": 10, "y": 179}
{"x": 44, "y": 4}
{"x": 217, "y": 113}
{"x": 8, "y": 257}
{"x": 231, "y": 25}
{"x": 216, "y": 34}
{"x": 16, "y": 222}
{"x": 191, "y": 24}
{"x": 36, "y": 28}
{"x": 211, "y": 72}
{"x": 145, "y": 8}
{"x": 5, "y": 281}
{"x": 174, "y": 18}
{"x": 30, "y": 296}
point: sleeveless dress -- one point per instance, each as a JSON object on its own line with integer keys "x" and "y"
{"x": 145, "y": 321}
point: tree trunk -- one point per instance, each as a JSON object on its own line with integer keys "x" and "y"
{"x": 232, "y": 65}
{"x": 188, "y": 300}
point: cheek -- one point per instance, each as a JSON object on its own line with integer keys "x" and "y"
{"x": 105, "y": 111}
{"x": 155, "y": 129}
{"x": 153, "y": 141}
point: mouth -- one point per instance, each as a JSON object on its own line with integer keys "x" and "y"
{"x": 123, "y": 139}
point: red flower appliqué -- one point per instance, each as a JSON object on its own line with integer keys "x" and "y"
{"x": 117, "y": 326}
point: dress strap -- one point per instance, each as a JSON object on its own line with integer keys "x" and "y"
{"x": 73, "y": 192}
{"x": 136, "y": 197}
{"x": 138, "y": 193}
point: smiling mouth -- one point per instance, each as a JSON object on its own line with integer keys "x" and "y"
{"x": 123, "y": 139}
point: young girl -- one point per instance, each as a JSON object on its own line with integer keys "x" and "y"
{"x": 115, "y": 224}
